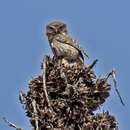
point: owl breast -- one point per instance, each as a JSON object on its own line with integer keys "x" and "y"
{"x": 65, "y": 50}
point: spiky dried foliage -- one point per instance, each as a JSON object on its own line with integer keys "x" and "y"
{"x": 73, "y": 94}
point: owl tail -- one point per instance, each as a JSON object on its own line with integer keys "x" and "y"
{"x": 85, "y": 53}
{"x": 80, "y": 62}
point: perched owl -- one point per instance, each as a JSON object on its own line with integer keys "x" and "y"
{"x": 63, "y": 46}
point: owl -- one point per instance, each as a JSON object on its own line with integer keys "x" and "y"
{"x": 64, "y": 47}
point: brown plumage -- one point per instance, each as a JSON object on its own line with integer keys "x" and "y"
{"x": 63, "y": 46}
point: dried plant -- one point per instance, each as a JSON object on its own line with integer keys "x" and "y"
{"x": 65, "y": 98}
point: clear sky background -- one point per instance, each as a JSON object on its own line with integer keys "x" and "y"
{"x": 101, "y": 26}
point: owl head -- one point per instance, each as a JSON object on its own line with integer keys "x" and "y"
{"x": 55, "y": 28}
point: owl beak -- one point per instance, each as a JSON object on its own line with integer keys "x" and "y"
{"x": 56, "y": 30}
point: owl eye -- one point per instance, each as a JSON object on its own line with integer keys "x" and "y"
{"x": 62, "y": 28}
{"x": 50, "y": 29}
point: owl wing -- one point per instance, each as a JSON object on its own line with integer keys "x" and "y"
{"x": 66, "y": 39}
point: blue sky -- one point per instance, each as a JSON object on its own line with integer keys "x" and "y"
{"x": 101, "y": 26}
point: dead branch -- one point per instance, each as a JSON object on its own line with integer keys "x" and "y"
{"x": 10, "y": 124}
{"x": 35, "y": 114}
{"x": 113, "y": 74}
{"x": 44, "y": 82}
{"x": 92, "y": 65}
